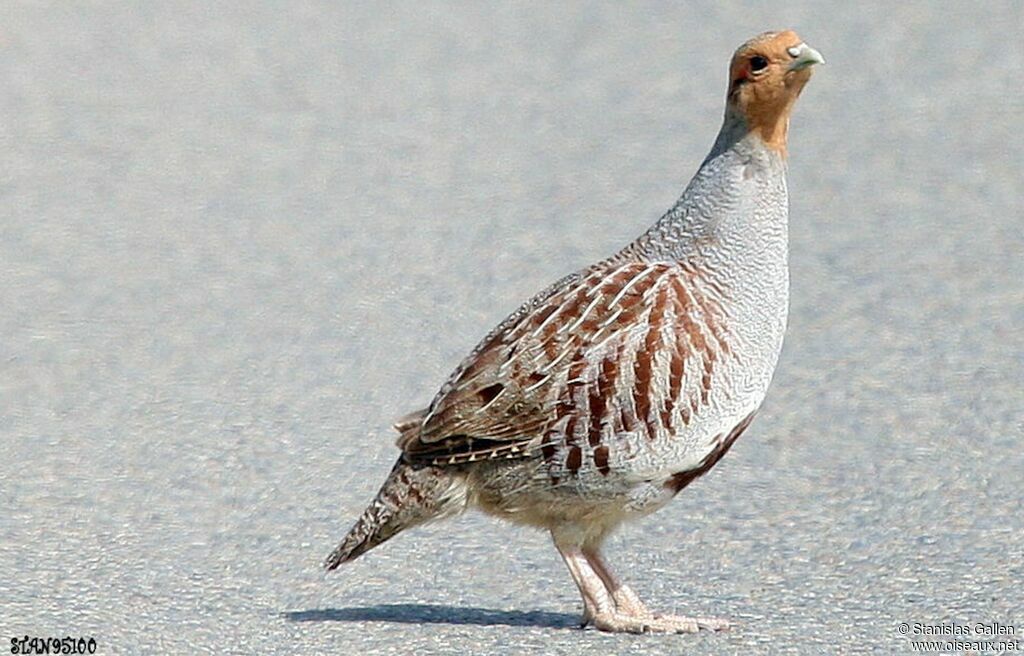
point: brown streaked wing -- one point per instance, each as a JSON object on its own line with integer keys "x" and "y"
{"x": 521, "y": 379}
{"x": 507, "y": 390}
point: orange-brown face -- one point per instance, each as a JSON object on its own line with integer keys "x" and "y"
{"x": 766, "y": 75}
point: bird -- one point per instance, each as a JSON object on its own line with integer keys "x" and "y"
{"x": 607, "y": 393}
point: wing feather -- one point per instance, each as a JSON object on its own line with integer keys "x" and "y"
{"x": 525, "y": 376}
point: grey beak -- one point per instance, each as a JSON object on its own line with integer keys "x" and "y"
{"x": 804, "y": 56}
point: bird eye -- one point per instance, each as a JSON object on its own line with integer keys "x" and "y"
{"x": 758, "y": 63}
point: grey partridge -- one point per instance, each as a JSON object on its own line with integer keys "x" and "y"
{"x": 604, "y": 395}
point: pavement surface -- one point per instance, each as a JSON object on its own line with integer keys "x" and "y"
{"x": 237, "y": 241}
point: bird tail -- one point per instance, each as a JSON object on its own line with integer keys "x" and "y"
{"x": 410, "y": 496}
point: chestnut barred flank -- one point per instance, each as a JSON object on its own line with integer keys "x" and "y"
{"x": 627, "y": 349}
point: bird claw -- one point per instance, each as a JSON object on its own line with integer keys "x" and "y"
{"x": 700, "y": 623}
{"x": 616, "y": 622}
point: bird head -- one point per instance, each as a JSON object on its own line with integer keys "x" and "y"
{"x": 766, "y": 75}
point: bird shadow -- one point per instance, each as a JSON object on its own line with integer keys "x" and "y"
{"x": 435, "y": 614}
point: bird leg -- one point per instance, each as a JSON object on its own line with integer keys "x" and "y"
{"x": 596, "y": 599}
{"x": 626, "y": 601}
{"x": 612, "y": 606}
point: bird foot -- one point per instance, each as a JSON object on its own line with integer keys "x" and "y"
{"x": 628, "y": 603}
{"x": 619, "y": 622}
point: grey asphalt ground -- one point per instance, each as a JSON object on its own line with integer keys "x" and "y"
{"x": 237, "y": 241}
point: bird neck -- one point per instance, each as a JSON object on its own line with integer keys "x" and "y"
{"x": 734, "y": 212}
{"x": 769, "y": 125}
{"x": 755, "y": 134}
